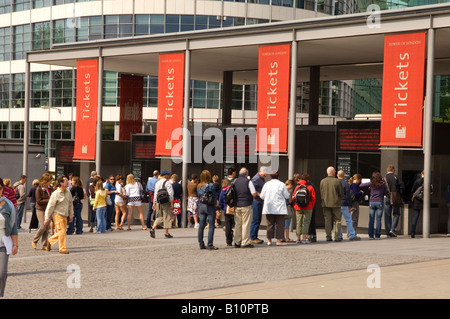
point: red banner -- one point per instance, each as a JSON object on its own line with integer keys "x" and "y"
{"x": 131, "y": 103}
{"x": 170, "y": 103}
{"x": 273, "y": 98}
{"x": 403, "y": 86}
{"x": 87, "y": 101}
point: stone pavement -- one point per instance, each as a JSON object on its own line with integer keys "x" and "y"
{"x": 130, "y": 264}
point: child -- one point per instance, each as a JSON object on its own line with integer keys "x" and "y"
{"x": 287, "y": 222}
{"x": 229, "y": 212}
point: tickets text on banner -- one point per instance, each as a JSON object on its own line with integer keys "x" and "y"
{"x": 170, "y": 103}
{"x": 87, "y": 101}
{"x": 273, "y": 98}
{"x": 403, "y": 86}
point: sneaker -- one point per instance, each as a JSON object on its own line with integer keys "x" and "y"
{"x": 306, "y": 241}
{"x": 356, "y": 238}
{"x": 196, "y": 225}
{"x": 392, "y": 234}
{"x": 168, "y": 236}
{"x": 248, "y": 246}
{"x": 152, "y": 233}
{"x": 212, "y": 248}
{"x": 257, "y": 241}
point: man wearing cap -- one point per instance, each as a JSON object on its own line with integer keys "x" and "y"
{"x": 163, "y": 210}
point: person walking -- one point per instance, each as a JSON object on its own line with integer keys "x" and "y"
{"x": 304, "y": 212}
{"x": 346, "y": 207}
{"x": 417, "y": 199}
{"x": 20, "y": 187}
{"x": 59, "y": 207}
{"x": 9, "y": 239}
{"x": 43, "y": 193}
{"x": 354, "y": 183}
{"x": 9, "y": 193}
{"x": 258, "y": 181}
{"x": 133, "y": 192}
{"x": 99, "y": 207}
{"x": 392, "y": 212}
{"x": 90, "y": 194}
{"x": 243, "y": 213}
{"x": 163, "y": 205}
{"x": 78, "y": 196}
{"x": 331, "y": 191}
{"x": 207, "y": 209}
{"x": 150, "y": 188}
{"x": 32, "y": 196}
{"x": 120, "y": 204}
{"x": 274, "y": 193}
{"x": 378, "y": 190}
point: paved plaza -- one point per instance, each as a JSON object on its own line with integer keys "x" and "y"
{"x": 129, "y": 265}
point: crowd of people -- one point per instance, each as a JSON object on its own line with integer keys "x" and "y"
{"x": 236, "y": 203}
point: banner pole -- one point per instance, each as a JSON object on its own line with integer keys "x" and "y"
{"x": 98, "y": 144}
{"x": 292, "y": 109}
{"x": 186, "y": 137}
{"x": 428, "y": 131}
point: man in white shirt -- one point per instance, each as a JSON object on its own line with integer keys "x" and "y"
{"x": 163, "y": 210}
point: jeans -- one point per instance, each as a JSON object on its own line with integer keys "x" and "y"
{"x": 77, "y": 221}
{"x": 3, "y": 270}
{"x": 256, "y": 221}
{"x": 348, "y": 220}
{"x": 100, "y": 213}
{"x": 206, "y": 213}
{"x": 20, "y": 208}
{"x": 390, "y": 222}
{"x": 415, "y": 219}
{"x": 149, "y": 215}
{"x": 110, "y": 210}
{"x": 375, "y": 208}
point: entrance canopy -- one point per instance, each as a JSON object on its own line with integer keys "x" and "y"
{"x": 345, "y": 47}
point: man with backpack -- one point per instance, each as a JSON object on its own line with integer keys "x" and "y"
{"x": 163, "y": 204}
{"x": 21, "y": 196}
{"x": 304, "y": 200}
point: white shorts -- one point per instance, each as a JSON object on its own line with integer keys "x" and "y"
{"x": 134, "y": 201}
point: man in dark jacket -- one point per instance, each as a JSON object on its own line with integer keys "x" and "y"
{"x": 392, "y": 213}
{"x": 258, "y": 181}
{"x": 245, "y": 191}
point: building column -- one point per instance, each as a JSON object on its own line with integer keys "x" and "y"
{"x": 314, "y": 94}
{"x": 98, "y": 144}
{"x": 292, "y": 110}
{"x": 186, "y": 143}
{"x": 227, "y": 97}
{"x": 428, "y": 132}
{"x": 26, "y": 120}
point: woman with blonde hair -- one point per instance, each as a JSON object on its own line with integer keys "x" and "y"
{"x": 120, "y": 203}
{"x": 133, "y": 192}
{"x": 100, "y": 206}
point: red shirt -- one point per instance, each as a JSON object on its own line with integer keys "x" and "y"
{"x": 312, "y": 196}
{"x": 9, "y": 194}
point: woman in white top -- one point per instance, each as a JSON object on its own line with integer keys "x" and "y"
{"x": 133, "y": 193}
{"x": 119, "y": 203}
{"x": 274, "y": 193}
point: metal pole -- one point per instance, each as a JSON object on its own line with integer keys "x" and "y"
{"x": 26, "y": 120}
{"x": 428, "y": 131}
{"x": 186, "y": 137}
{"x": 98, "y": 143}
{"x": 292, "y": 110}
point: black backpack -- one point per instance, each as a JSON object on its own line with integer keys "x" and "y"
{"x": 162, "y": 197}
{"x": 230, "y": 196}
{"x": 16, "y": 192}
{"x": 301, "y": 196}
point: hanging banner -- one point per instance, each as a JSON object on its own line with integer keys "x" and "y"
{"x": 403, "y": 90}
{"x": 131, "y": 103}
{"x": 273, "y": 98}
{"x": 86, "y": 119}
{"x": 170, "y": 104}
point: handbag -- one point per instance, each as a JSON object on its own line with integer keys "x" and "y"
{"x": 207, "y": 198}
{"x": 395, "y": 199}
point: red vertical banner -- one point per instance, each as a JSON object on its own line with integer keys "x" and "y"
{"x": 87, "y": 101}
{"x": 170, "y": 103}
{"x": 403, "y": 90}
{"x": 131, "y": 103}
{"x": 273, "y": 98}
